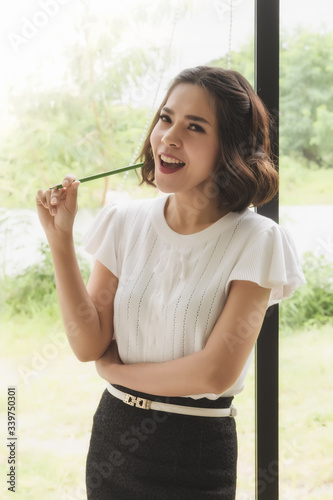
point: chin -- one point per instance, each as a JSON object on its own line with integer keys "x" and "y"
{"x": 164, "y": 189}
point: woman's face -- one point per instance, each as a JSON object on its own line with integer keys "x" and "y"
{"x": 185, "y": 141}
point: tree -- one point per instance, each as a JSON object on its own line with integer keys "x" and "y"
{"x": 306, "y": 93}
{"x": 93, "y": 120}
{"x": 307, "y": 96}
{"x": 242, "y": 61}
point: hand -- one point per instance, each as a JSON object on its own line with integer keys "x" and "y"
{"x": 57, "y": 207}
{"x": 108, "y": 361}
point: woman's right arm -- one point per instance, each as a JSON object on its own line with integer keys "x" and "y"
{"x": 87, "y": 312}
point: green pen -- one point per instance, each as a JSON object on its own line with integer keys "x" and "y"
{"x": 103, "y": 174}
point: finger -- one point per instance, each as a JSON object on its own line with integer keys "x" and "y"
{"x": 71, "y": 195}
{"x": 68, "y": 180}
{"x": 55, "y": 195}
{"x": 41, "y": 198}
{"x": 52, "y": 200}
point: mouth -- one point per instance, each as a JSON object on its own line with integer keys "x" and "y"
{"x": 170, "y": 164}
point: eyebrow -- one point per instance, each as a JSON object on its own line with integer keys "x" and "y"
{"x": 188, "y": 117}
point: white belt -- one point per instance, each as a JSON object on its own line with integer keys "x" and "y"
{"x": 146, "y": 404}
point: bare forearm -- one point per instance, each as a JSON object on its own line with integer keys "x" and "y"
{"x": 79, "y": 314}
{"x": 193, "y": 374}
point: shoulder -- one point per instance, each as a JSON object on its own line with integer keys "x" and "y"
{"x": 116, "y": 226}
{"x": 257, "y": 222}
{"x": 256, "y": 229}
{"x": 129, "y": 210}
{"x": 119, "y": 216}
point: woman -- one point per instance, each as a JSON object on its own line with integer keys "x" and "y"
{"x": 177, "y": 294}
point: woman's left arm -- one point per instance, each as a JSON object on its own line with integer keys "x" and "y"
{"x": 212, "y": 370}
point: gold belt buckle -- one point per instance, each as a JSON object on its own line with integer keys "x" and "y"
{"x": 138, "y": 402}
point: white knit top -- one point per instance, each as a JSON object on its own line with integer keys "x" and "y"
{"x": 172, "y": 287}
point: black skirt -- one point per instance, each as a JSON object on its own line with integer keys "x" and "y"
{"x": 149, "y": 455}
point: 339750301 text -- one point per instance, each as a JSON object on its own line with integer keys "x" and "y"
{"x": 12, "y": 438}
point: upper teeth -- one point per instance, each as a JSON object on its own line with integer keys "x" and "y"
{"x": 167, "y": 159}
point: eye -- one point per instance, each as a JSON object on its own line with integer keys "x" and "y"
{"x": 196, "y": 128}
{"x": 165, "y": 118}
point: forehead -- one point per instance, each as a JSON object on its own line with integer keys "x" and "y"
{"x": 190, "y": 99}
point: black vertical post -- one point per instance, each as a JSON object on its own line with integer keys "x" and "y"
{"x": 267, "y": 423}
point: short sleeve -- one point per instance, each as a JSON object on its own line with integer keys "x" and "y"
{"x": 270, "y": 259}
{"x": 102, "y": 239}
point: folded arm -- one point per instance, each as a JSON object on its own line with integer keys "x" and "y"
{"x": 212, "y": 370}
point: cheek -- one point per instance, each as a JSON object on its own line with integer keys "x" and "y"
{"x": 214, "y": 152}
{"x": 154, "y": 138}
{"x": 207, "y": 151}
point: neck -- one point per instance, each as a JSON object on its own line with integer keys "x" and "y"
{"x": 186, "y": 213}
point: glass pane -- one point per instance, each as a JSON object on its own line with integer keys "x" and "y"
{"x": 80, "y": 82}
{"x": 306, "y": 117}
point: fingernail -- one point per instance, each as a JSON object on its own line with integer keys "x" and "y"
{"x": 65, "y": 182}
{"x": 54, "y": 201}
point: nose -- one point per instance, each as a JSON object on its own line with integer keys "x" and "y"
{"x": 171, "y": 137}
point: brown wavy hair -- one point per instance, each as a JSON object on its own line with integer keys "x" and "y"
{"x": 246, "y": 174}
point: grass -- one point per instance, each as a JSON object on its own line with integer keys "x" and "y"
{"x": 304, "y": 186}
{"x": 305, "y": 418}
{"x": 57, "y": 397}
{"x": 306, "y": 387}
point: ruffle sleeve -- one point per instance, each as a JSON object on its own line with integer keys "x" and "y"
{"x": 102, "y": 239}
{"x": 270, "y": 260}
